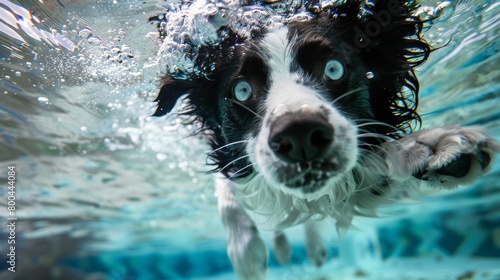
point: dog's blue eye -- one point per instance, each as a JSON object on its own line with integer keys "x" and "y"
{"x": 242, "y": 91}
{"x": 334, "y": 70}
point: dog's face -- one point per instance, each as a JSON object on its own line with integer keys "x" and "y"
{"x": 298, "y": 104}
{"x": 305, "y": 96}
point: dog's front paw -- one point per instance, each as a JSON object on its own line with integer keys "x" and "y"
{"x": 248, "y": 254}
{"x": 446, "y": 157}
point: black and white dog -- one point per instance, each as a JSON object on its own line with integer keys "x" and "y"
{"x": 314, "y": 118}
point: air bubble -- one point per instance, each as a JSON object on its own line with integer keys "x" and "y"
{"x": 17, "y": 74}
{"x": 369, "y": 3}
{"x": 125, "y": 48}
{"x": 210, "y": 10}
{"x": 94, "y": 40}
{"x": 300, "y": 17}
{"x": 43, "y": 99}
{"x": 329, "y": 4}
{"x": 409, "y": 2}
{"x": 425, "y": 13}
{"x": 444, "y": 10}
{"x": 370, "y": 75}
{"x": 85, "y": 33}
{"x": 186, "y": 37}
{"x": 161, "y": 156}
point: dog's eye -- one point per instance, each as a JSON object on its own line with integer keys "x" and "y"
{"x": 242, "y": 91}
{"x": 334, "y": 70}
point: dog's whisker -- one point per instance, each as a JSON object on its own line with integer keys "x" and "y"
{"x": 372, "y": 146}
{"x": 374, "y": 135}
{"x": 240, "y": 170}
{"x": 228, "y": 145}
{"x": 360, "y": 131}
{"x": 245, "y": 107}
{"x": 346, "y": 94}
{"x": 374, "y": 123}
{"x": 233, "y": 161}
{"x": 364, "y": 187}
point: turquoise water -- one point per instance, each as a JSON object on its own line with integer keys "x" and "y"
{"x": 103, "y": 191}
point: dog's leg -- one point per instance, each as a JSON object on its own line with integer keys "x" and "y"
{"x": 315, "y": 244}
{"x": 246, "y": 249}
{"x": 444, "y": 157}
{"x": 281, "y": 247}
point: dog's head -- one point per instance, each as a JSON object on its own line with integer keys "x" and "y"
{"x": 299, "y": 103}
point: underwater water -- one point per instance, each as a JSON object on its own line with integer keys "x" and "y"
{"x": 104, "y": 191}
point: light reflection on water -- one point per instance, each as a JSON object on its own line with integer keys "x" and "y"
{"x": 96, "y": 173}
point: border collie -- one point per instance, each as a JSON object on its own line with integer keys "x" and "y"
{"x": 313, "y": 119}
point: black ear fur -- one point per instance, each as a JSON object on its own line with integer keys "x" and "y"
{"x": 392, "y": 55}
{"x": 388, "y": 39}
{"x": 203, "y": 88}
{"x": 205, "y": 57}
{"x": 171, "y": 90}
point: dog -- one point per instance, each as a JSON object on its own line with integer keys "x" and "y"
{"x": 315, "y": 118}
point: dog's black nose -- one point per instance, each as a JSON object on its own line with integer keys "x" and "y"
{"x": 300, "y": 137}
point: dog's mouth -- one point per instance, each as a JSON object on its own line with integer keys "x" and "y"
{"x": 309, "y": 176}
{"x": 304, "y": 152}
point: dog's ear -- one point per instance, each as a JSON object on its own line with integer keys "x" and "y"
{"x": 389, "y": 35}
{"x": 206, "y": 59}
{"x": 171, "y": 90}
{"x": 390, "y": 40}
{"x": 385, "y": 33}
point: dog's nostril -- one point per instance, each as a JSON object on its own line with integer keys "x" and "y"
{"x": 300, "y": 137}
{"x": 322, "y": 137}
{"x": 281, "y": 145}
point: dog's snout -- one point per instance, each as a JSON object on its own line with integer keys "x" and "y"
{"x": 300, "y": 137}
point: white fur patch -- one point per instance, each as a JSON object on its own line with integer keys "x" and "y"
{"x": 288, "y": 95}
{"x": 276, "y": 47}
